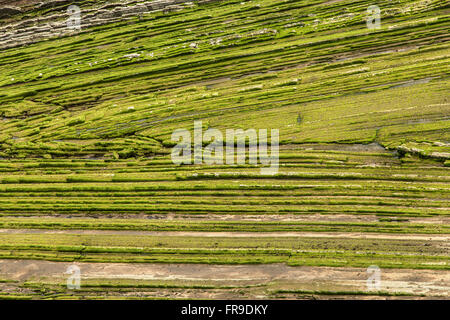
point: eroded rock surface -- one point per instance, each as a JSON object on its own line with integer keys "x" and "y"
{"x": 25, "y": 22}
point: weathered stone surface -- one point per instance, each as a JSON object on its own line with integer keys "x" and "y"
{"x": 55, "y": 3}
{"x": 7, "y": 12}
{"x": 54, "y": 23}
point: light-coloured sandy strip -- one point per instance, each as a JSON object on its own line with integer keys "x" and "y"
{"x": 414, "y": 281}
{"x": 355, "y": 218}
{"x": 345, "y": 235}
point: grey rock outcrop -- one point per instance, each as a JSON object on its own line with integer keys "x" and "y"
{"x": 53, "y": 23}
{"x": 6, "y": 12}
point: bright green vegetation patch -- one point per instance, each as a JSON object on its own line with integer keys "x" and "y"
{"x": 85, "y": 128}
{"x": 324, "y": 178}
{"x": 312, "y": 70}
{"x": 226, "y": 250}
{"x": 130, "y": 285}
{"x": 363, "y": 115}
{"x": 221, "y": 226}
